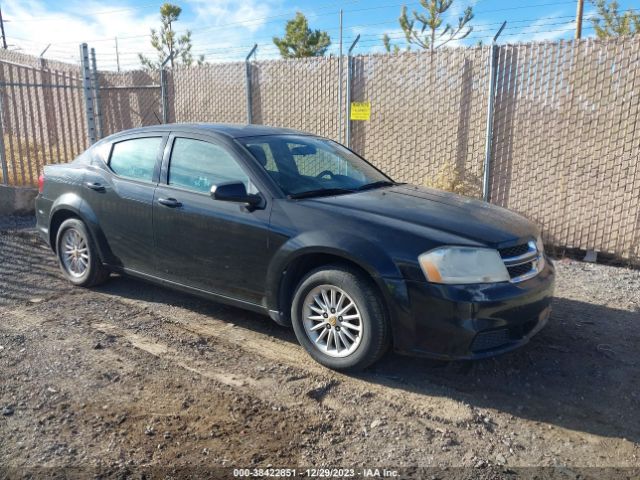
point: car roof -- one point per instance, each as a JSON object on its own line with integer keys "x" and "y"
{"x": 229, "y": 129}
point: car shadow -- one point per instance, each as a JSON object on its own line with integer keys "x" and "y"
{"x": 580, "y": 373}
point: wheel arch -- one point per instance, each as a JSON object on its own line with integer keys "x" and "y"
{"x": 288, "y": 270}
{"x": 72, "y": 206}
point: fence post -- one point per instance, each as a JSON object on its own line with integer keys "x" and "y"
{"x": 96, "y": 93}
{"x": 163, "y": 89}
{"x": 348, "y": 99}
{"x": 247, "y": 72}
{"x": 3, "y": 158}
{"x": 340, "y": 127}
{"x": 493, "y": 67}
{"x": 87, "y": 91}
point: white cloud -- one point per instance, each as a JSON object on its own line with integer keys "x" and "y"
{"x": 457, "y": 9}
{"x": 218, "y": 26}
{"x": 32, "y": 26}
{"x": 251, "y": 13}
{"x": 544, "y": 28}
{"x": 225, "y": 30}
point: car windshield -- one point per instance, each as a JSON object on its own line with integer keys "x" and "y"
{"x": 306, "y": 166}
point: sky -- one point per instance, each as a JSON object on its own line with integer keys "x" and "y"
{"x": 225, "y": 30}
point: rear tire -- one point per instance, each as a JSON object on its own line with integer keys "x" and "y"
{"x": 339, "y": 318}
{"x": 77, "y": 255}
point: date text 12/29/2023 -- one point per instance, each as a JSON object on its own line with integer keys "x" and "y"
{"x": 315, "y": 472}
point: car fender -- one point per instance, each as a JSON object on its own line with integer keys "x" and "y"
{"x": 352, "y": 248}
{"x": 72, "y": 202}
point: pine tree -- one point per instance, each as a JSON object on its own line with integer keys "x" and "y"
{"x": 609, "y": 22}
{"x": 300, "y": 41}
{"x": 165, "y": 41}
{"x": 424, "y": 29}
{"x": 386, "y": 41}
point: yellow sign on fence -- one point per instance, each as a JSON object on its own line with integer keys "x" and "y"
{"x": 360, "y": 110}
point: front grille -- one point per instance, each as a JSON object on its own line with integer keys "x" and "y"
{"x": 519, "y": 270}
{"x": 514, "y": 251}
{"x": 522, "y": 261}
{"x": 490, "y": 340}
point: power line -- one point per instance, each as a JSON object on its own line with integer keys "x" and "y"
{"x": 272, "y": 49}
{"x": 265, "y": 41}
{"x": 249, "y": 23}
{"x": 377, "y": 34}
{"x": 277, "y": 18}
{"x": 225, "y": 51}
{"x": 233, "y": 54}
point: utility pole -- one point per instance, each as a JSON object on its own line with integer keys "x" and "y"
{"x": 579, "y": 11}
{"x": 117, "y": 55}
{"x": 4, "y": 37}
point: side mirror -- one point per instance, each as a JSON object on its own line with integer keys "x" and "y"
{"x": 234, "y": 192}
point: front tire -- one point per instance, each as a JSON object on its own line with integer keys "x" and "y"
{"x": 77, "y": 255}
{"x": 338, "y": 317}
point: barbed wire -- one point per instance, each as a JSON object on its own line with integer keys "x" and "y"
{"x": 129, "y": 58}
{"x": 261, "y": 41}
{"x": 364, "y": 38}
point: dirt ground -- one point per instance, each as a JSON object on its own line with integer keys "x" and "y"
{"x": 131, "y": 375}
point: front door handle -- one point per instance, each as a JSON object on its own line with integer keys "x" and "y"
{"x": 98, "y": 187}
{"x": 169, "y": 202}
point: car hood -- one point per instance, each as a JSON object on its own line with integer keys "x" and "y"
{"x": 436, "y": 209}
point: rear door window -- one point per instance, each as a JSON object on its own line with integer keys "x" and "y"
{"x": 198, "y": 165}
{"x": 135, "y": 158}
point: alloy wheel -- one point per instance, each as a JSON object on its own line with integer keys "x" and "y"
{"x": 75, "y": 252}
{"x": 332, "y": 321}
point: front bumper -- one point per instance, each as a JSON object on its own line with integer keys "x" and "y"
{"x": 453, "y": 322}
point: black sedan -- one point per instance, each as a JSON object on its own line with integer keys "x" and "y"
{"x": 304, "y": 230}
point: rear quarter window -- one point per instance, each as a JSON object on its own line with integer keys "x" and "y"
{"x": 135, "y": 158}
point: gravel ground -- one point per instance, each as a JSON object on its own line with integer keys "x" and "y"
{"x": 131, "y": 375}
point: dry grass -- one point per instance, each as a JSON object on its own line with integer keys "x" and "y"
{"x": 25, "y": 164}
{"x": 452, "y": 178}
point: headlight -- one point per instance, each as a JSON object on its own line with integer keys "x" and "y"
{"x": 539, "y": 244}
{"x": 459, "y": 265}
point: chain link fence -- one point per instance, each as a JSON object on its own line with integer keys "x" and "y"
{"x": 428, "y": 116}
{"x": 43, "y": 117}
{"x": 566, "y": 141}
{"x": 565, "y": 135}
{"x": 127, "y": 100}
{"x": 42, "y": 120}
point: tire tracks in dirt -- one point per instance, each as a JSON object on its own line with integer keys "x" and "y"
{"x": 435, "y": 409}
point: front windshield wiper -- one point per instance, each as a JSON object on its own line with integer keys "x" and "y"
{"x": 378, "y": 184}
{"x": 321, "y": 192}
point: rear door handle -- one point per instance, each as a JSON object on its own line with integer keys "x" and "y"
{"x": 169, "y": 202}
{"x": 98, "y": 187}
